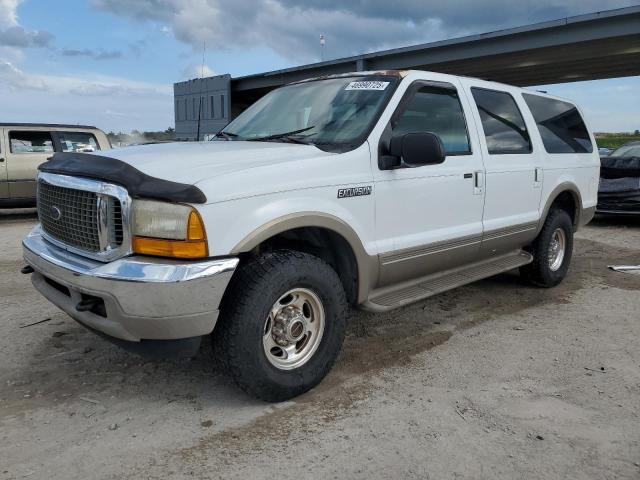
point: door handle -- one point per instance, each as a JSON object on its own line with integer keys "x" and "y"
{"x": 479, "y": 179}
{"x": 468, "y": 175}
{"x": 538, "y": 177}
{"x": 478, "y": 182}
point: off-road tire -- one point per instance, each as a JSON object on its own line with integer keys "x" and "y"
{"x": 539, "y": 272}
{"x": 237, "y": 338}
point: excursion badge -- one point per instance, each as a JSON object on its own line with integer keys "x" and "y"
{"x": 354, "y": 191}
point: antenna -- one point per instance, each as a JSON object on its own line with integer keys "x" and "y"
{"x": 322, "y": 48}
{"x": 204, "y": 47}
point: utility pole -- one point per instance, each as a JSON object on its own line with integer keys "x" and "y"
{"x": 204, "y": 48}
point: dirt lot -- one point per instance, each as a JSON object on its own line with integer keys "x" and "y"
{"x": 493, "y": 380}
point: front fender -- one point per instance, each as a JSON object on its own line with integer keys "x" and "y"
{"x": 239, "y": 226}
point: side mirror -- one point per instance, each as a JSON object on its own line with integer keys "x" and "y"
{"x": 414, "y": 150}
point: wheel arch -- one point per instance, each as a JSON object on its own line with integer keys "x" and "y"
{"x": 567, "y": 195}
{"x": 344, "y": 244}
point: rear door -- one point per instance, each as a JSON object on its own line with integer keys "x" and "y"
{"x": 4, "y": 186}
{"x": 26, "y": 149}
{"x": 514, "y": 173}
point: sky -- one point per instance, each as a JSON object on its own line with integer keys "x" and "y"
{"x": 112, "y": 63}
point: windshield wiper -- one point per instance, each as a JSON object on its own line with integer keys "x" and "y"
{"x": 225, "y": 135}
{"x": 292, "y": 139}
{"x": 290, "y": 136}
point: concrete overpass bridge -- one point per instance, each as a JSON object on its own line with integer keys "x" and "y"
{"x": 585, "y": 47}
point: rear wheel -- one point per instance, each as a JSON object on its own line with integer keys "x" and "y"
{"x": 281, "y": 324}
{"x": 551, "y": 250}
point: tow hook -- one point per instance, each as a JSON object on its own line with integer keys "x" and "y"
{"x": 26, "y": 270}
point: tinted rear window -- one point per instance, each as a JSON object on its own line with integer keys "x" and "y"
{"x": 560, "y": 124}
{"x": 503, "y": 125}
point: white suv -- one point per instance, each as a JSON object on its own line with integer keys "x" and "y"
{"x": 366, "y": 189}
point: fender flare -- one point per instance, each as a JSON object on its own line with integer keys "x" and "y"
{"x": 555, "y": 193}
{"x": 367, "y": 265}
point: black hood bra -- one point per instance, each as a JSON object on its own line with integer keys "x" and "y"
{"x": 108, "y": 169}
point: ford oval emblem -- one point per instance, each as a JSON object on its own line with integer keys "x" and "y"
{"x": 56, "y": 214}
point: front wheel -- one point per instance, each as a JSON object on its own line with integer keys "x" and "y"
{"x": 551, "y": 251}
{"x": 281, "y": 324}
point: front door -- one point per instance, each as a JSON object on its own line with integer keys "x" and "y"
{"x": 26, "y": 150}
{"x": 429, "y": 218}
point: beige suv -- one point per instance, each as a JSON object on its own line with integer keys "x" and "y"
{"x": 24, "y": 146}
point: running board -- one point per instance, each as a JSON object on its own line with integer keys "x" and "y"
{"x": 394, "y": 296}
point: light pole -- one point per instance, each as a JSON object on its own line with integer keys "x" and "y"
{"x": 322, "y": 48}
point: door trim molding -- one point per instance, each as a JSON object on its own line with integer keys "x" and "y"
{"x": 395, "y": 256}
{"x": 507, "y": 231}
{"x": 402, "y": 265}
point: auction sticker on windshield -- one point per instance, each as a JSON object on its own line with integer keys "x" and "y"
{"x": 370, "y": 85}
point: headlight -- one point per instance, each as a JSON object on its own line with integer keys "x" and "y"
{"x": 167, "y": 230}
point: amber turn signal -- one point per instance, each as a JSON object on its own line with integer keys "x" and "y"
{"x": 195, "y": 246}
{"x": 170, "y": 248}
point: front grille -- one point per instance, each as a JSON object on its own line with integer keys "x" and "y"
{"x": 70, "y": 216}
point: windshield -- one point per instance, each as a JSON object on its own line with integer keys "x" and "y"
{"x": 627, "y": 151}
{"x": 331, "y": 112}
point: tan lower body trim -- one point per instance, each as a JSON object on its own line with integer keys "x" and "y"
{"x": 506, "y": 239}
{"x": 402, "y": 265}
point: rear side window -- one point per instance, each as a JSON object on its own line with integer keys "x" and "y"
{"x": 502, "y": 122}
{"x": 560, "y": 124}
{"x": 30, "y": 142}
{"x": 78, "y": 142}
{"x": 438, "y": 111}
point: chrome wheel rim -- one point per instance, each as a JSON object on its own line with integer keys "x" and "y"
{"x": 293, "y": 330}
{"x": 557, "y": 248}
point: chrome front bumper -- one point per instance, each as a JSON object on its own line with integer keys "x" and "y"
{"x": 143, "y": 297}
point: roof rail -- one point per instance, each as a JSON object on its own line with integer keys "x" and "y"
{"x": 48, "y": 125}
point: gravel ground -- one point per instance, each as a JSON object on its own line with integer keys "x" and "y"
{"x": 495, "y": 380}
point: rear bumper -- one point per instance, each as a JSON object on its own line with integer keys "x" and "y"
{"x": 137, "y": 297}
